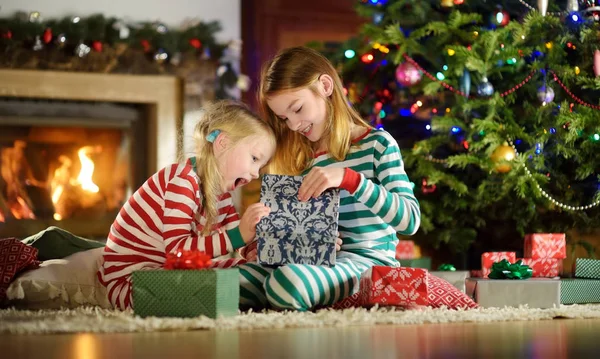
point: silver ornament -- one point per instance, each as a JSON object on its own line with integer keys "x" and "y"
{"x": 542, "y": 7}
{"x": 35, "y": 16}
{"x": 82, "y": 50}
{"x": 37, "y": 46}
{"x": 160, "y": 56}
{"x": 75, "y": 19}
{"x": 176, "y": 59}
{"x": 485, "y": 88}
{"x": 545, "y": 94}
{"x": 61, "y": 40}
{"x": 572, "y": 5}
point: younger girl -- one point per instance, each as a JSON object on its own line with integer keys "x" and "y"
{"x": 321, "y": 136}
{"x": 187, "y": 205}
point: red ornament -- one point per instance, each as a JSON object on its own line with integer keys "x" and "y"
{"x": 146, "y": 45}
{"x": 47, "y": 37}
{"x": 7, "y": 35}
{"x": 97, "y": 45}
{"x": 427, "y": 188}
{"x": 195, "y": 43}
{"x": 367, "y": 58}
{"x": 192, "y": 259}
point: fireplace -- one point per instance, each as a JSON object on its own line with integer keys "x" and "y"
{"x": 74, "y": 146}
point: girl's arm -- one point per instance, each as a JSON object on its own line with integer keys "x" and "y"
{"x": 180, "y": 208}
{"x": 392, "y": 199}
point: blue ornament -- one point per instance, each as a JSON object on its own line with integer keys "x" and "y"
{"x": 377, "y": 18}
{"x": 465, "y": 82}
{"x": 485, "y": 88}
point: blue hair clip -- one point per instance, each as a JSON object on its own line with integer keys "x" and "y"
{"x": 211, "y": 137}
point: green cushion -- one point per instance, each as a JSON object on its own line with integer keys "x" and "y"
{"x": 56, "y": 243}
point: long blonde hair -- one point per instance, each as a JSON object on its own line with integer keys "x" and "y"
{"x": 294, "y": 69}
{"x": 238, "y": 122}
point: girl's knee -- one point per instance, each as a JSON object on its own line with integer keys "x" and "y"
{"x": 286, "y": 290}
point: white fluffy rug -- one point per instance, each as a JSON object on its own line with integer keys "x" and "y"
{"x": 94, "y": 319}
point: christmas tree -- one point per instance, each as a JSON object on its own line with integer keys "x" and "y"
{"x": 496, "y": 105}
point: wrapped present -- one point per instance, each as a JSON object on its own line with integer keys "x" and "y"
{"x": 544, "y": 267}
{"x": 423, "y": 262}
{"x": 417, "y": 252}
{"x": 545, "y": 245}
{"x": 295, "y": 231}
{"x": 489, "y": 258}
{"x": 534, "y": 292}
{"x": 394, "y": 286}
{"x": 587, "y": 268}
{"x": 405, "y": 250}
{"x": 186, "y": 288}
{"x": 579, "y": 291}
{"x": 456, "y": 278}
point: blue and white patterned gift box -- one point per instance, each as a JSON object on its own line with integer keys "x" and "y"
{"x": 296, "y": 232}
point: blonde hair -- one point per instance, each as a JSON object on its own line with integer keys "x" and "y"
{"x": 294, "y": 69}
{"x": 236, "y": 121}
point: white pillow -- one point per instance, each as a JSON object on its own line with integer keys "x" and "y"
{"x": 61, "y": 283}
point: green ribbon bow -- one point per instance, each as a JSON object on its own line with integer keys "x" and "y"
{"x": 505, "y": 270}
{"x": 446, "y": 267}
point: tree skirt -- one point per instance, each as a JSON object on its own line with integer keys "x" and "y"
{"x": 95, "y": 319}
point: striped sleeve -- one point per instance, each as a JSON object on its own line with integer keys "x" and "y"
{"x": 392, "y": 199}
{"x": 180, "y": 231}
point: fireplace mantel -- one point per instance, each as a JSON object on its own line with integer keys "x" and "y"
{"x": 161, "y": 95}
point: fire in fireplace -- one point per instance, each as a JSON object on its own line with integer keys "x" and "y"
{"x": 67, "y": 164}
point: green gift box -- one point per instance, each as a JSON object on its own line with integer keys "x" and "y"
{"x": 587, "y": 268}
{"x": 186, "y": 293}
{"x": 499, "y": 293}
{"x": 579, "y": 291}
{"x": 423, "y": 262}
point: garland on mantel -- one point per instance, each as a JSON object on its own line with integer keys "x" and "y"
{"x": 112, "y": 45}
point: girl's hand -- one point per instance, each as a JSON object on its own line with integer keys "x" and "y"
{"x": 338, "y": 243}
{"x": 318, "y": 180}
{"x": 253, "y": 214}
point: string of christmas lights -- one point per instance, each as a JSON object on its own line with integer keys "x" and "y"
{"x": 547, "y": 195}
{"x": 534, "y": 9}
{"x": 449, "y": 87}
{"x": 505, "y": 93}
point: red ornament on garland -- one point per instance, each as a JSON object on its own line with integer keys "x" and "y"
{"x": 47, "y": 37}
{"x": 97, "y": 46}
{"x": 195, "y": 43}
{"x": 7, "y": 35}
{"x": 426, "y": 187}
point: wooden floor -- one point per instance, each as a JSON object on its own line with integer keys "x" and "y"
{"x": 560, "y": 338}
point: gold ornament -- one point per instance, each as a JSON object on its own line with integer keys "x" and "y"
{"x": 447, "y": 3}
{"x": 501, "y": 154}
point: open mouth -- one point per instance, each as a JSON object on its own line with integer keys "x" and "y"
{"x": 239, "y": 182}
{"x": 307, "y": 130}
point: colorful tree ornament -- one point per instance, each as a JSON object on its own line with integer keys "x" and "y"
{"x": 408, "y": 74}
{"x": 465, "y": 82}
{"x": 572, "y": 5}
{"x": 427, "y": 188}
{"x": 47, "y": 36}
{"x": 542, "y": 7}
{"x": 500, "y": 18}
{"x": 447, "y": 3}
{"x": 485, "y": 88}
{"x": 502, "y": 154}
{"x": 97, "y": 46}
{"x": 545, "y": 94}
